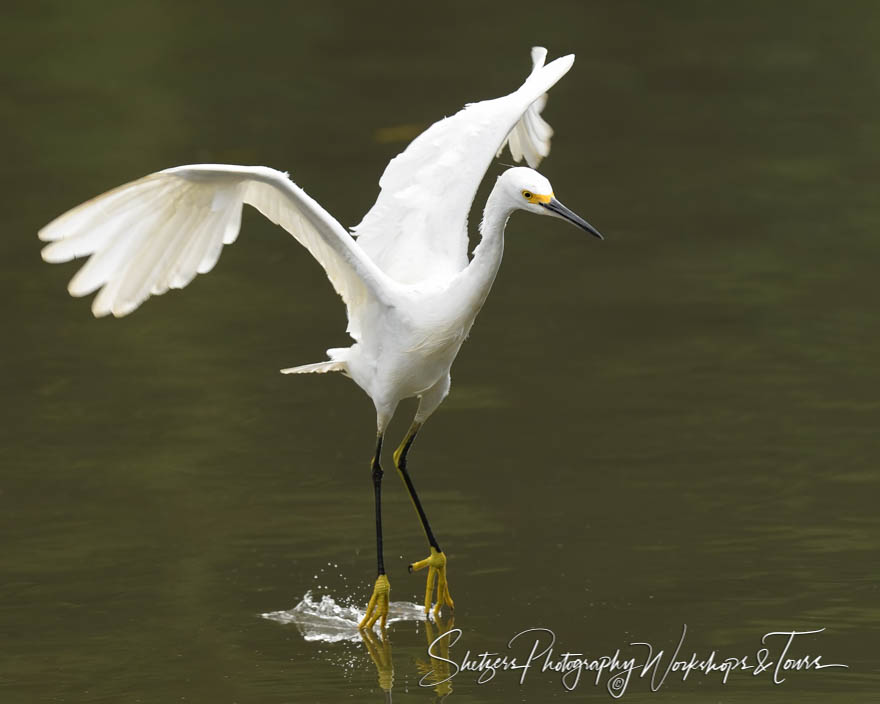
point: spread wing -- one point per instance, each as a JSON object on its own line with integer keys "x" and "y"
{"x": 160, "y": 231}
{"x": 417, "y": 229}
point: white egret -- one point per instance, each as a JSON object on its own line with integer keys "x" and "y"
{"x": 410, "y": 289}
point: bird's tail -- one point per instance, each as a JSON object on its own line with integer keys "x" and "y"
{"x": 316, "y": 368}
{"x": 336, "y": 363}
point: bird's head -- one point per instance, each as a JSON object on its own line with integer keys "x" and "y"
{"x": 528, "y": 190}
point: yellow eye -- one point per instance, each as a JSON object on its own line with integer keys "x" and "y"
{"x": 527, "y": 195}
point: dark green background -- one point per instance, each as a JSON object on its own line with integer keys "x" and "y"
{"x": 678, "y": 425}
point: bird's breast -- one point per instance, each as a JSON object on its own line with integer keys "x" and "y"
{"x": 419, "y": 354}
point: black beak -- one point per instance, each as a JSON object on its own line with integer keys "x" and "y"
{"x": 559, "y": 210}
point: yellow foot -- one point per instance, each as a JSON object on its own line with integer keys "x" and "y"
{"x": 436, "y": 564}
{"x": 378, "y": 606}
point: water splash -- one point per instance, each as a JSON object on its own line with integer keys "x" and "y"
{"x": 330, "y": 622}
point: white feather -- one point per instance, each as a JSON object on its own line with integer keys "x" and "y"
{"x": 160, "y": 231}
{"x": 417, "y": 229}
{"x": 411, "y": 292}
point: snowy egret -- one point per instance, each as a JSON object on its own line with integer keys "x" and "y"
{"x": 410, "y": 289}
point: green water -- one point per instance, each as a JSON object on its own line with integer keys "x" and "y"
{"x": 676, "y": 426}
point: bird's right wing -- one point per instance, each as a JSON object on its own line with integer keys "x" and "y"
{"x": 417, "y": 228}
{"x": 160, "y": 231}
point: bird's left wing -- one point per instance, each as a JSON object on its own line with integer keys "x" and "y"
{"x": 160, "y": 231}
{"x": 417, "y": 228}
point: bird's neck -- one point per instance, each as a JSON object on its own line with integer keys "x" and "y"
{"x": 478, "y": 277}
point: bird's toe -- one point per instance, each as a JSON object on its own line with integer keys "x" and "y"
{"x": 378, "y": 606}
{"x": 436, "y": 564}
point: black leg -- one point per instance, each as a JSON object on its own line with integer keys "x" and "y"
{"x": 377, "y": 489}
{"x": 436, "y": 561}
{"x": 400, "y": 461}
{"x": 378, "y": 606}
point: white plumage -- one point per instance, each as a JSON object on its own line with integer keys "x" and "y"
{"x": 417, "y": 229}
{"x": 160, "y": 231}
{"x": 410, "y": 289}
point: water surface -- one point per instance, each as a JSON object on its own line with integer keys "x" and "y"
{"x": 676, "y": 426}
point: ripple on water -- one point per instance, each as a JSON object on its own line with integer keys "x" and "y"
{"x": 330, "y": 622}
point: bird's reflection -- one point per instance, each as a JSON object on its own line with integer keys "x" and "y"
{"x": 433, "y": 672}
{"x": 379, "y": 650}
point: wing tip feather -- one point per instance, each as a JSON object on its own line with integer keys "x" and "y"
{"x": 539, "y": 56}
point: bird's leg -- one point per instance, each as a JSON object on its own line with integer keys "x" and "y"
{"x": 378, "y": 606}
{"x": 436, "y": 561}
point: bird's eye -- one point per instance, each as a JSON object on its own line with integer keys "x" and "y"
{"x": 527, "y": 195}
